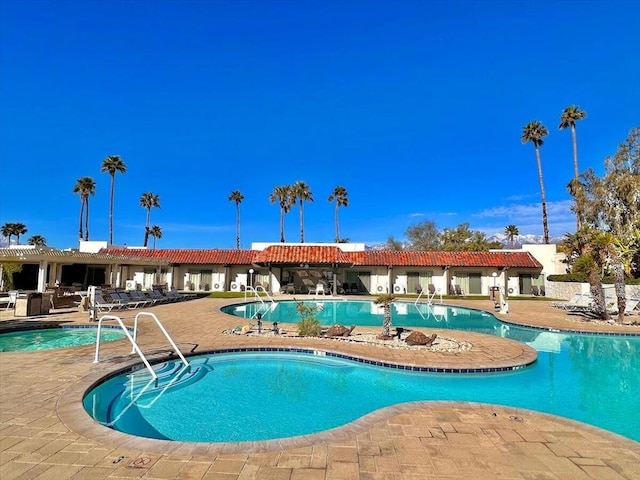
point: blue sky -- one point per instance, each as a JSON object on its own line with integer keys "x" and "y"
{"x": 416, "y": 108}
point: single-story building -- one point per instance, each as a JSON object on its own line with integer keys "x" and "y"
{"x": 299, "y": 268}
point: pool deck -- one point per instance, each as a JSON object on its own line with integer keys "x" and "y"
{"x": 45, "y": 433}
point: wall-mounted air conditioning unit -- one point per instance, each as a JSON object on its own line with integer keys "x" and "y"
{"x": 397, "y": 288}
{"x": 235, "y": 286}
{"x": 131, "y": 285}
{"x": 218, "y": 286}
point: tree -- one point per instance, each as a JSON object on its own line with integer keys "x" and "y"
{"x": 385, "y": 300}
{"x": 11, "y": 229}
{"x": 282, "y": 195}
{"x": 394, "y": 245}
{"x": 424, "y": 237}
{"x": 237, "y": 197}
{"x": 148, "y": 200}
{"x": 534, "y": 132}
{"x": 568, "y": 119}
{"x": 112, "y": 164}
{"x": 511, "y": 231}
{"x": 612, "y": 205}
{"x": 301, "y": 192}
{"x": 84, "y": 187}
{"x": 156, "y": 233}
{"x": 339, "y": 195}
{"x": 37, "y": 240}
{"x": 7, "y": 231}
{"x": 462, "y": 238}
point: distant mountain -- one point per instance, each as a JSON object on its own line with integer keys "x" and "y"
{"x": 520, "y": 240}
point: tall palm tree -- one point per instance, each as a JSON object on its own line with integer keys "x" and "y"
{"x": 7, "y": 231}
{"x": 534, "y": 132}
{"x": 112, "y": 164}
{"x": 282, "y": 195}
{"x": 237, "y": 197}
{"x": 511, "y": 231}
{"x": 302, "y": 193}
{"x": 148, "y": 200}
{"x": 568, "y": 119}
{"x": 19, "y": 229}
{"x": 155, "y": 232}
{"x": 385, "y": 300}
{"x": 339, "y": 194}
{"x": 84, "y": 187}
{"x": 37, "y": 240}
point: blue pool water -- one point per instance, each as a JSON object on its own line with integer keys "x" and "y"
{"x": 50, "y": 338}
{"x": 267, "y": 395}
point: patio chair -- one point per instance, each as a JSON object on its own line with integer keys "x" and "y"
{"x": 457, "y": 290}
{"x": 534, "y": 290}
{"x": 432, "y": 289}
{"x": 320, "y": 289}
{"x": 104, "y": 305}
{"x": 353, "y": 287}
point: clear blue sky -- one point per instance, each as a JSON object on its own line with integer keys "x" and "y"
{"x": 415, "y": 107}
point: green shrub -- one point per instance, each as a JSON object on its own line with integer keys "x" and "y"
{"x": 309, "y": 325}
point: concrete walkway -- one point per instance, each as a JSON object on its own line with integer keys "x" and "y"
{"x": 45, "y": 433}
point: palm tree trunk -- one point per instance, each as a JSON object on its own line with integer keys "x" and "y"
{"x": 618, "y": 276}
{"x": 301, "y": 221}
{"x": 237, "y": 226}
{"x": 86, "y": 220}
{"x": 81, "y": 214}
{"x": 281, "y": 225}
{"x": 545, "y": 221}
{"x": 597, "y": 293}
{"x": 576, "y": 174}
{"x": 146, "y": 227}
{"x": 113, "y": 189}
{"x": 386, "y": 326}
{"x": 337, "y": 225}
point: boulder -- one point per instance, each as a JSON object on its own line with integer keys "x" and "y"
{"x": 339, "y": 331}
{"x": 419, "y": 338}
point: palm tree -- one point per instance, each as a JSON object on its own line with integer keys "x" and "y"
{"x": 568, "y": 119}
{"x": 385, "y": 300}
{"x": 236, "y": 196}
{"x": 511, "y": 231}
{"x": 302, "y": 193}
{"x": 84, "y": 186}
{"x": 155, "y": 232}
{"x": 19, "y": 229}
{"x": 148, "y": 200}
{"x": 7, "y": 231}
{"x": 534, "y": 132}
{"x": 37, "y": 240}
{"x": 112, "y": 164}
{"x": 339, "y": 194}
{"x": 282, "y": 195}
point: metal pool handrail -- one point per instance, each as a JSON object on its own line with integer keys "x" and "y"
{"x": 136, "y": 348}
{"x": 162, "y": 329}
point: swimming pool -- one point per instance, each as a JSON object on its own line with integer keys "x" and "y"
{"x": 367, "y": 314}
{"x": 259, "y": 395}
{"x": 51, "y": 338}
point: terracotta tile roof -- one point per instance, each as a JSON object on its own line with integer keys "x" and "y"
{"x": 327, "y": 255}
{"x": 191, "y": 256}
{"x": 446, "y": 259}
{"x": 301, "y": 254}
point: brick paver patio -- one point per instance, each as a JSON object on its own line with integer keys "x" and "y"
{"x": 45, "y": 433}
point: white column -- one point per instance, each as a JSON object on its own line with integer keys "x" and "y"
{"x": 42, "y": 276}
{"x": 118, "y": 276}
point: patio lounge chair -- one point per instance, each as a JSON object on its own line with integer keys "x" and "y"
{"x": 104, "y": 305}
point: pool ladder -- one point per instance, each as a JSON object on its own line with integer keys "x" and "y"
{"x": 136, "y": 348}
